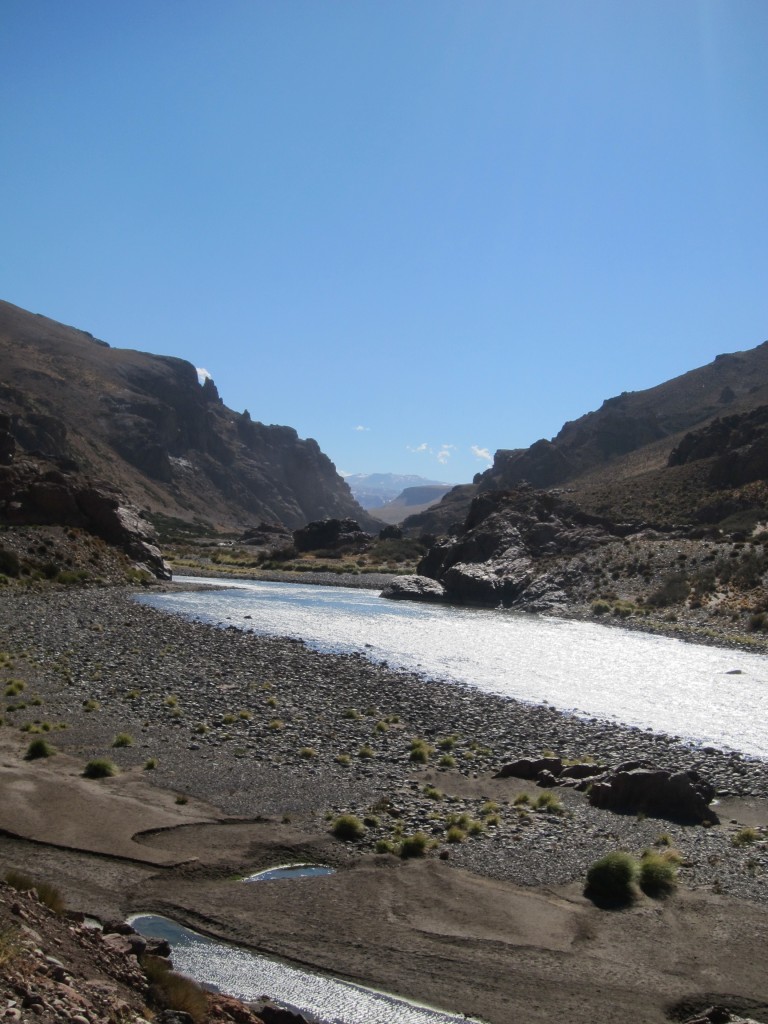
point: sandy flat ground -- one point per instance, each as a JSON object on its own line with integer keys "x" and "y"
{"x": 424, "y": 929}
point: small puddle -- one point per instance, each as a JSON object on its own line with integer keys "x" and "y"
{"x": 249, "y": 976}
{"x": 291, "y": 871}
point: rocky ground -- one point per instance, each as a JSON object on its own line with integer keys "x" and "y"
{"x": 253, "y": 746}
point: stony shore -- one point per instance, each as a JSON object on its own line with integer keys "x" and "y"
{"x": 264, "y": 729}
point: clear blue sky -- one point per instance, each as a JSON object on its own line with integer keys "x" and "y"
{"x": 416, "y": 230}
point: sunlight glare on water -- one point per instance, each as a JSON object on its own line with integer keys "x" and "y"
{"x": 248, "y": 976}
{"x": 589, "y": 669}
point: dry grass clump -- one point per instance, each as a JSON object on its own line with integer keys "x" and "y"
{"x": 48, "y": 894}
{"x": 174, "y": 991}
{"x": 10, "y": 946}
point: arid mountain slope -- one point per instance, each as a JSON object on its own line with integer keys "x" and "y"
{"x": 618, "y": 460}
{"x": 145, "y": 425}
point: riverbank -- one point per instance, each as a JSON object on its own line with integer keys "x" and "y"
{"x": 281, "y": 737}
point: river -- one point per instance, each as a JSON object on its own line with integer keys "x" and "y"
{"x": 707, "y": 695}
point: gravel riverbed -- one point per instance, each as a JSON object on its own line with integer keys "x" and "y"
{"x": 265, "y": 726}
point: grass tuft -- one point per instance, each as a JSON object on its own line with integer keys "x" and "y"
{"x": 658, "y": 874}
{"x": 39, "y": 748}
{"x": 348, "y": 827}
{"x": 100, "y": 768}
{"x": 612, "y": 879}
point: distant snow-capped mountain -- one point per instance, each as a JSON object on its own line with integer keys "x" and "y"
{"x": 374, "y": 490}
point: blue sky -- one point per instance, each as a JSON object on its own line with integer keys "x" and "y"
{"x": 415, "y": 230}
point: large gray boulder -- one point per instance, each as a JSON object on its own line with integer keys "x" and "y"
{"x": 414, "y": 588}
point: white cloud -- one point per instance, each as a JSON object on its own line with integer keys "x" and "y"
{"x": 481, "y": 453}
{"x": 203, "y": 375}
{"x": 361, "y": 429}
{"x": 423, "y": 447}
{"x": 445, "y": 453}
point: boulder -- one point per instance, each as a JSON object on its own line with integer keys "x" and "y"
{"x": 414, "y": 588}
{"x": 679, "y": 796}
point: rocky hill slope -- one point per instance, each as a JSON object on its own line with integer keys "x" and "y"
{"x": 143, "y": 424}
{"x": 618, "y": 461}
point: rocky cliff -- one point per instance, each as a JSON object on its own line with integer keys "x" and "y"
{"x": 144, "y": 425}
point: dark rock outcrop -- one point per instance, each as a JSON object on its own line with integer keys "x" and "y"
{"x": 738, "y": 446}
{"x": 679, "y": 796}
{"x": 331, "y": 535}
{"x": 499, "y": 557}
{"x": 34, "y": 491}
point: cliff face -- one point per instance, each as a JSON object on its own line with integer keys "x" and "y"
{"x": 143, "y": 424}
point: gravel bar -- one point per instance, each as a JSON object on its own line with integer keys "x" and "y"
{"x": 266, "y": 726}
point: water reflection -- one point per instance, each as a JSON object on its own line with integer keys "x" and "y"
{"x": 248, "y": 977}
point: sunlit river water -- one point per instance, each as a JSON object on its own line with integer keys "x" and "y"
{"x": 706, "y": 694}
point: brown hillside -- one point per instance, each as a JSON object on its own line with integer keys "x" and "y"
{"x": 144, "y": 424}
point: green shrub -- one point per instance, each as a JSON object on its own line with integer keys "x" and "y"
{"x": 384, "y": 846}
{"x": 366, "y": 751}
{"x": 123, "y": 739}
{"x": 308, "y": 752}
{"x": 658, "y": 874}
{"x": 612, "y": 879}
{"x": 39, "y": 748}
{"x": 447, "y": 761}
{"x": 455, "y": 834}
{"x": 673, "y": 590}
{"x": 348, "y": 827}
{"x": 600, "y": 607}
{"x": 99, "y": 768}
{"x": 150, "y": 764}
{"x": 414, "y": 846}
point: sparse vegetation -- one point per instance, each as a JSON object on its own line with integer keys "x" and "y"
{"x": 745, "y": 836}
{"x": 123, "y": 739}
